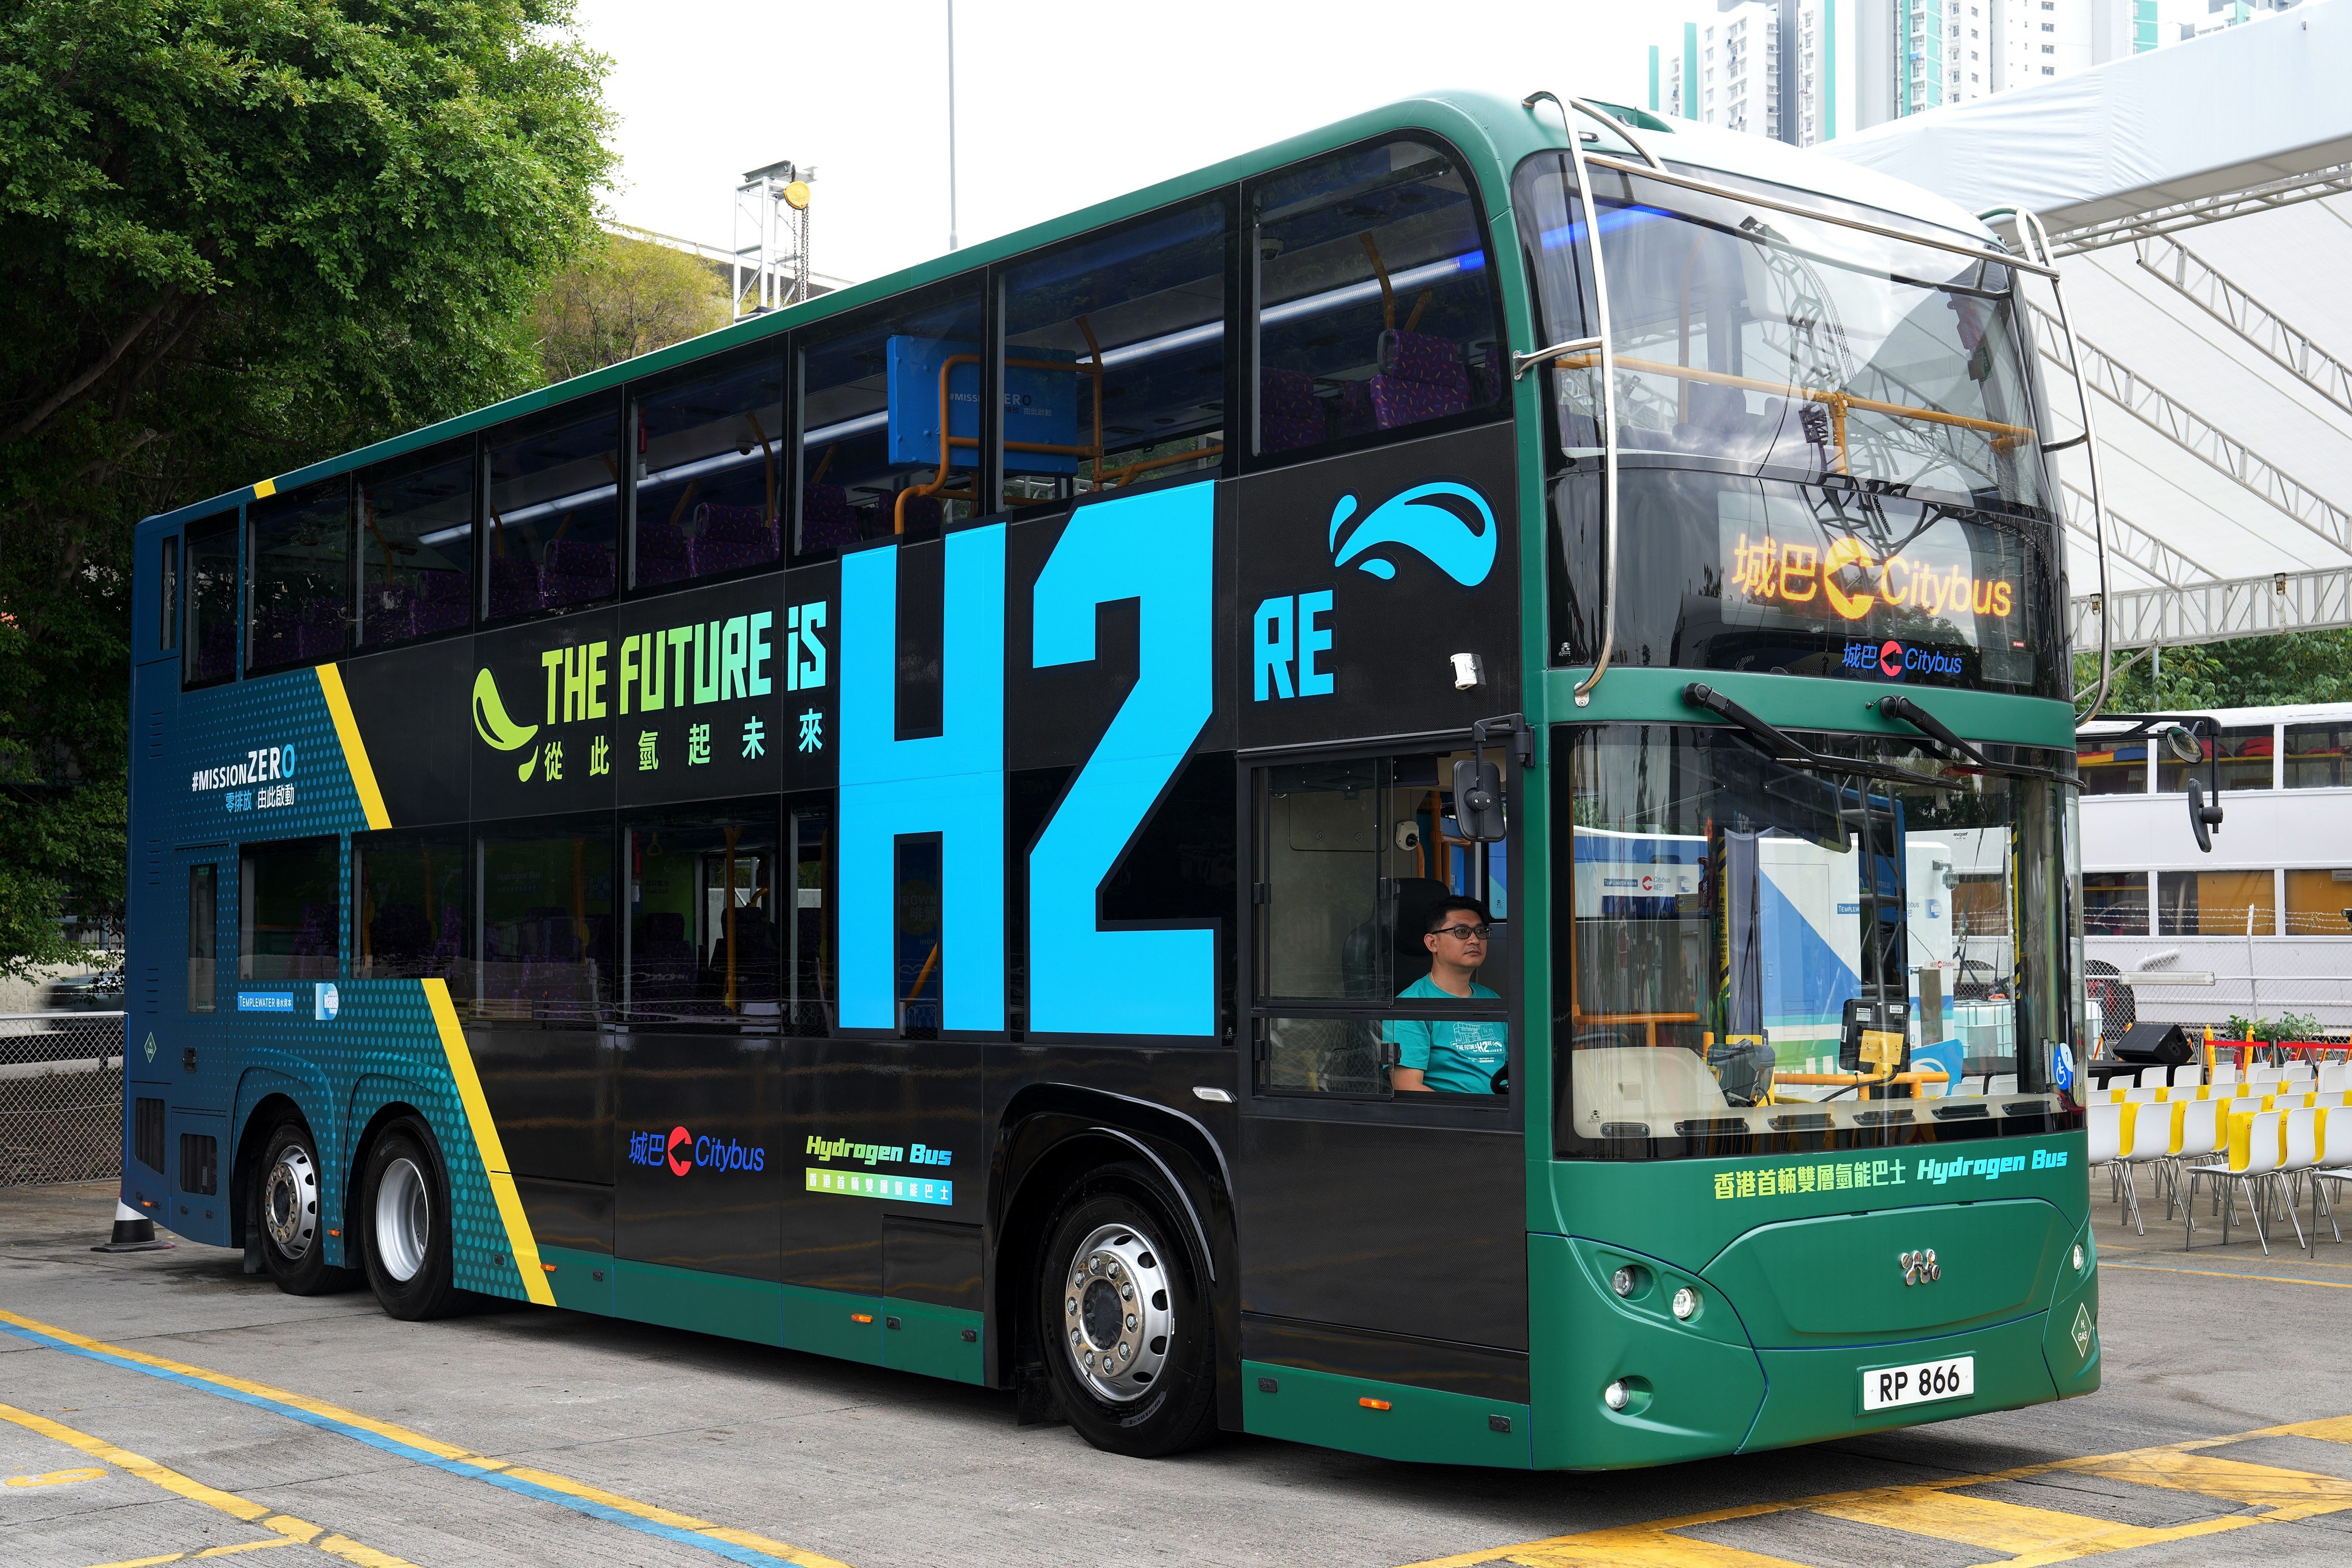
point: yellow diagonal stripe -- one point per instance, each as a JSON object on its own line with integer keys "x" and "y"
{"x": 237, "y": 1508}
{"x": 522, "y": 1246}
{"x": 355, "y": 756}
{"x": 192, "y": 1556}
{"x": 2048, "y": 1535}
{"x": 2288, "y": 1494}
{"x": 782, "y": 1551}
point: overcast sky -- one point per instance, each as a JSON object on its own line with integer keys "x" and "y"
{"x": 1058, "y": 104}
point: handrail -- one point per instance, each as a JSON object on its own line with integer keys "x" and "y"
{"x": 1957, "y": 247}
{"x": 2005, "y": 437}
{"x": 2031, "y": 235}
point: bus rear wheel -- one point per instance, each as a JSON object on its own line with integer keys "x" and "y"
{"x": 287, "y": 1190}
{"x": 1125, "y": 1324}
{"x": 404, "y": 1213}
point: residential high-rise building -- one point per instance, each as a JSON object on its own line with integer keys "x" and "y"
{"x": 1805, "y": 72}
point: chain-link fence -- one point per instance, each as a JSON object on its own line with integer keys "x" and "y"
{"x": 2297, "y": 986}
{"x": 60, "y": 1098}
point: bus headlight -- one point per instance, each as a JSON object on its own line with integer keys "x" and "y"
{"x": 1623, "y": 1281}
{"x": 2078, "y": 1257}
{"x": 1617, "y": 1395}
{"x": 1685, "y": 1303}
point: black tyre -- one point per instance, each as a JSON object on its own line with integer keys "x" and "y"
{"x": 284, "y": 1213}
{"x": 1123, "y": 1318}
{"x": 403, "y": 1212}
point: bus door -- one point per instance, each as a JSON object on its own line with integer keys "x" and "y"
{"x": 1381, "y": 1188}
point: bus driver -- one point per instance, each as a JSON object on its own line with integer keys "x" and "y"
{"x": 1464, "y": 1058}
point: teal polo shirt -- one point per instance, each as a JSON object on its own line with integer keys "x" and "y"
{"x": 1459, "y": 1056}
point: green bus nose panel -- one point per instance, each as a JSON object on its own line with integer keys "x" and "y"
{"x": 1841, "y": 1280}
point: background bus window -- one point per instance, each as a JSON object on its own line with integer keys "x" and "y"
{"x": 709, "y": 455}
{"x": 917, "y": 938}
{"x": 1375, "y": 308}
{"x": 554, "y": 521}
{"x": 2215, "y": 903}
{"x": 2315, "y": 756}
{"x": 2315, "y": 902}
{"x": 702, "y": 917}
{"x": 167, "y": 586}
{"x": 204, "y": 936}
{"x": 870, "y": 415}
{"x": 289, "y": 911}
{"x": 412, "y": 910}
{"x": 2111, "y": 767}
{"x": 417, "y": 548}
{"x": 2244, "y": 760}
{"x": 1357, "y": 856}
{"x": 547, "y": 924}
{"x": 808, "y": 938}
{"x": 2115, "y": 903}
{"x": 1149, "y": 299}
{"x": 300, "y": 573}
{"x": 212, "y": 600}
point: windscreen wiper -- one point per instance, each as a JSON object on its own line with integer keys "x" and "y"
{"x": 1895, "y": 705}
{"x": 1785, "y": 748}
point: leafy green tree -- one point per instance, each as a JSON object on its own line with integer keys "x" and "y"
{"x": 237, "y": 236}
{"x": 2247, "y": 672}
{"x": 621, "y": 298}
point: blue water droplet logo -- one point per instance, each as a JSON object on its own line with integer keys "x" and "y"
{"x": 1432, "y": 521}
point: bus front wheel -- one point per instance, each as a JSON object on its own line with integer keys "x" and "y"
{"x": 405, "y": 1208}
{"x": 1123, "y": 1318}
{"x": 286, "y": 1210}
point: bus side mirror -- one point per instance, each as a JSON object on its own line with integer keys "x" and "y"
{"x": 2203, "y": 818}
{"x": 1478, "y": 800}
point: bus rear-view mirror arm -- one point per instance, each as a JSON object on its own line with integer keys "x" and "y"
{"x": 1478, "y": 783}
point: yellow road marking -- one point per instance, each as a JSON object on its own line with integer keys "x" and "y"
{"x": 193, "y": 1556}
{"x": 355, "y": 756}
{"x": 56, "y": 1478}
{"x": 398, "y": 1434}
{"x": 522, "y": 1246}
{"x": 2032, "y": 1536}
{"x": 243, "y": 1510}
{"x": 2229, "y": 1274}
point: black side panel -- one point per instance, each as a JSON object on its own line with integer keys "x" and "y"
{"x": 927, "y": 1261}
{"x": 1474, "y": 1370}
{"x": 701, "y": 1185}
{"x": 1396, "y": 1229}
{"x": 411, "y": 707}
{"x": 550, "y": 1092}
{"x": 568, "y": 1213}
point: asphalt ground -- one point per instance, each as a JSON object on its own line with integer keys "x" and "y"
{"x": 162, "y": 1407}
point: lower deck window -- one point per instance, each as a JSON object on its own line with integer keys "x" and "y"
{"x": 290, "y": 907}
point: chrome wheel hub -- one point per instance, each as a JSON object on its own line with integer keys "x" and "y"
{"x": 403, "y": 1219}
{"x": 1116, "y": 1319}
{"x": 290, "y": 1203}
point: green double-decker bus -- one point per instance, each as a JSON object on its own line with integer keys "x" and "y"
{"x": 1413, "y": 792}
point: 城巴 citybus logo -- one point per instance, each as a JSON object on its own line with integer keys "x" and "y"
{"x": 681, "y": 1150}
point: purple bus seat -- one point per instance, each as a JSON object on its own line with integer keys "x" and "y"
{"x": 826, "y": 521}
{"x": 1420, "y": 377}
{"x": 443, "y": 599}
{"x": 1356, "y": 414}
{"x": 1288, "y": 415}
{"x": 731, "y": 538}
{"x": 661, "y": 554}
{"x": 514, "y": 585}
{"x": 573, "y": 571}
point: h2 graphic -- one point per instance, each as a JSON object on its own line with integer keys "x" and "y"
{"x": 1157, "y": 548}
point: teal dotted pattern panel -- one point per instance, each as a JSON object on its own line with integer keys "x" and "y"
{"x": 238, "y": 737}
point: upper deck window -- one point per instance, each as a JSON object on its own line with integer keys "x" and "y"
{"x": 2315, "y": 755}
{"x": 555, "y": 508}
{"x": 2240, "y": 755}
{"x": 891, "y": 426}
{"x": 1758, "y": 338}
{"x": 1375, "y": 304}
{"x": 299, "y": 603}
{"x": 416, "y": 547}
{"x": 212, "y": 547}
{"x": 709, "y": 454}
{"x": 1115, "y": 356}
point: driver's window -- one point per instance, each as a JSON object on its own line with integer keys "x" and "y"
{"x": 1381, "y": 934}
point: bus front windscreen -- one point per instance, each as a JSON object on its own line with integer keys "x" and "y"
{"x": 1758, "y": 338}
{"x": 1763, "y": 957}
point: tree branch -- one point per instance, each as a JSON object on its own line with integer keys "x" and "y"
{"x": 82, "y": 383}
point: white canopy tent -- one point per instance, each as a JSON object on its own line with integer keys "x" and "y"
{"x": 2200, "y": 198}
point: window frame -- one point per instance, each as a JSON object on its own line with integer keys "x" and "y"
{"x": 249, "y": 572}
{"x": 1246, "y": 358}
{"x": 556, "y": 417}
{"x": 168, "y": 589}
{"x": 479, "y": 833}
{"x": 1256, "y": 1010}
{"x": 782, "y": 353}
{"x": 468, "y": 449}
{"x": 340, "y": 924}
{"x": 231, "y": 523}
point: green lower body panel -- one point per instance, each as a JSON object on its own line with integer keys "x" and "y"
{"x": 834, "y": 1323}
{"x": 938, "y": 1342}
{"x": 2070, "y": 1343}
{"x": 1386, "y": 1420}
{"x": 582, "y": 1281}
{"x": 691, "y": 1299}
{"x": 1812, "y": 1394}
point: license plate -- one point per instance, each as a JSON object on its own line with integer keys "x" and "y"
{"x": 1921, "y": 1383}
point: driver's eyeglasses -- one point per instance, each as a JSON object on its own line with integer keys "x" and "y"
{"x": 1465, "y": 934}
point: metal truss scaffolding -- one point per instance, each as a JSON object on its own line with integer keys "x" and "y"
{"x": 2262, "y": 329}
{"x": 2216, "y": 610}
{"x": 2332, "y": 181}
